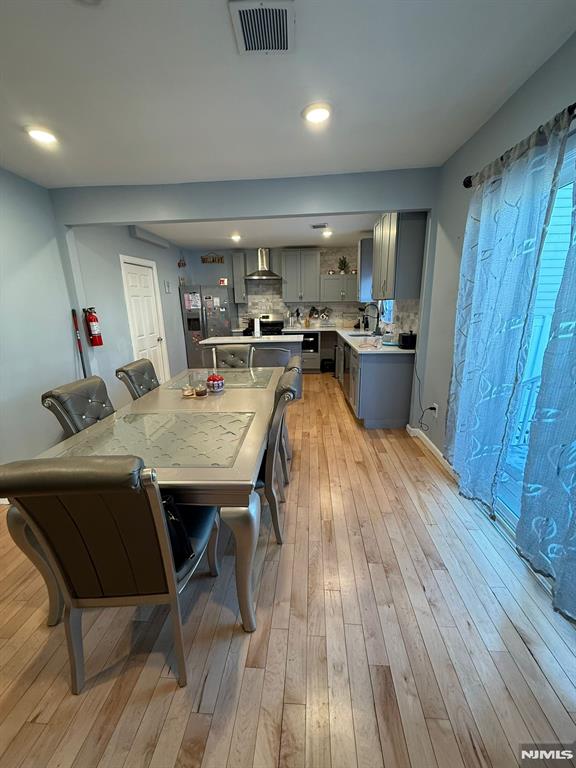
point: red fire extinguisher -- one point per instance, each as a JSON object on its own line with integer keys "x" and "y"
{"x": 93, "y": 327}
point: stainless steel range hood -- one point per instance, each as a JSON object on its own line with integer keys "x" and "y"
{"x": 263, "y": 272}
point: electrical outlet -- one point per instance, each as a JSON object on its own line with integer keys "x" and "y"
{"x": 435, "y": 410}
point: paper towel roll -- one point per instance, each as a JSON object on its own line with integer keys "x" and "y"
{"x": 257, "y": 326}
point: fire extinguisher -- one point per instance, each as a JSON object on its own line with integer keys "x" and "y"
{"x": 93, "y": 327}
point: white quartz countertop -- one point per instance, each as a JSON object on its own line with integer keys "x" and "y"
{"x": 298, "y": 337}
{"x": 355, "y": 342}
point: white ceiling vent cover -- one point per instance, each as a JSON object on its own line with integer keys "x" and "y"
{"x": 263, "y": 27}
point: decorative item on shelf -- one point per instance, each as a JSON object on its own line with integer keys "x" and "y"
{"x": 353, "y": 271}
{"x": 215, "y": 382}
{"x": 343, "y": 265}
{"x": 331, "y": 271}
{"x": 212, "y": 258}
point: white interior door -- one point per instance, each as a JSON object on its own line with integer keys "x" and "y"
{"x": 145, "y": 313}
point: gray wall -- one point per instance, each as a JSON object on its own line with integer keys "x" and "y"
{"x": 549, "y": 90}
{"x": 37, "y": 347}
{"x": 98, "y": 250}
{"x": 339, "y": 193}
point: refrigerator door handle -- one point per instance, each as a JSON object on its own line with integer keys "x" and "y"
{"x": 204, "y": 321}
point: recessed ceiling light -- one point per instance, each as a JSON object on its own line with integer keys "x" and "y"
{"x": 317, "y": 113}
{"x": 41, "y": 136}
{"x": 236, "y": 238}
{"x": 327, "y": 233}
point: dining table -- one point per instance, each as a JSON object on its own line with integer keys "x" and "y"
{"x": 205, "y": 450}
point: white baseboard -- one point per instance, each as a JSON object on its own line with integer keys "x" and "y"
{"x": 417, "y": 433}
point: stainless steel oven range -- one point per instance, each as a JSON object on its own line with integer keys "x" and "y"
{"x": 270, "y": 325}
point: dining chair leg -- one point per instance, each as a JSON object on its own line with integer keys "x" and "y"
{"x": 244, "y": 522}
{"x": 212, "y": 551}
{"x": 272, "y": 500}
{"x": 25, "y": 540}
{"x": 73, "y": 630}
{"x": 284, "y": 462}
{"x": 280, "y": 481}
{"x": 179, "y": 652}
{"x": 286, "y": 440}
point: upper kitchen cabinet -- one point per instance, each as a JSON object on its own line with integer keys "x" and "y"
{"x": 301, "y": 275}
{"x": 398, "y": 255}
{"x": 338, "y": 288}
{"x": 239, "y": 272}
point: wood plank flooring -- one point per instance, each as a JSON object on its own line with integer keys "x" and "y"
{"x": 396, "y": 628}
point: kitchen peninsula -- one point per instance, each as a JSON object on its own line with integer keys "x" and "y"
{"x": 376, "y": 379}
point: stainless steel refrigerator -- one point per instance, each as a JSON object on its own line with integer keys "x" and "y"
{"x": 206, "y": 312}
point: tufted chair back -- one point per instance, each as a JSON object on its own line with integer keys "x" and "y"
{"x": 233, "y": 355}
{"x": 80, "y": 404}
{"x": 139, "y": 377}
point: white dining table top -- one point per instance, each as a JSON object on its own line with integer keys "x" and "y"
{"x": 211, "y": 446}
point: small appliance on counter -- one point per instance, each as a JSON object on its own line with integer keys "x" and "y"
{"x": 407, "y": 340}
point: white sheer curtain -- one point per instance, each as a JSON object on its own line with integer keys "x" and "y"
{"x": 546, "y": 533}
{"x": 505, "y": 231}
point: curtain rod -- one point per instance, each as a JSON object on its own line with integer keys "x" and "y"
{"x": 467, "y": 182}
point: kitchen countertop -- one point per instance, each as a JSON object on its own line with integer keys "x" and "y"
{"x": 353, "y": 341}
{"x": 298, "y": 337}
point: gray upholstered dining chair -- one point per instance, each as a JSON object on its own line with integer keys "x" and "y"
{"x": 270, "y": 357}
{"x": 232, "y": 355}
{"x": 100, "y": 524}
{"x": 79, "y": 404}
{"x": 139, "y": 377}
{"x": 267, "y": 479}
{"x": 294, "y": 364}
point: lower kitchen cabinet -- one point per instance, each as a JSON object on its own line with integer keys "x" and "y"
{"x": 377, "y": 387}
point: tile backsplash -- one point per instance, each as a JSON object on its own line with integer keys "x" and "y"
{"x": 264, "y": 298}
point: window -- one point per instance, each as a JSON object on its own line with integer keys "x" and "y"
{"x": 387, "y": 311}
{"x": 549, "y": 277}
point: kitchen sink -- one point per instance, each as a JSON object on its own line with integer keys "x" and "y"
{"x": 358, "y": 333}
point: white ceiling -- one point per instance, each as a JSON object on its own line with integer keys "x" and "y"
{"x": 154, "y": 91}
{"x": 267, "y": 233}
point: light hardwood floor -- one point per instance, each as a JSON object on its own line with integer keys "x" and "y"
{"x": 395, "y": 628}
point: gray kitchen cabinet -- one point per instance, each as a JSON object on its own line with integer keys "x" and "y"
{"x": 291, "y": 289}
{"x": 349, "y": 287}
{"x": 301, "y": 275}
{"x": 354, "y": 386}
{"x": 238, "y": 275}
{"x": 335, "y": 288}
{"x": 377, "y": 387}
{"x": 398, "y": 255}
{"x": 330, "y": 288}
{"x": 339, "y": 362}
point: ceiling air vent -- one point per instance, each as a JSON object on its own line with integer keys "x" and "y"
{"x": 263, "y": 27}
